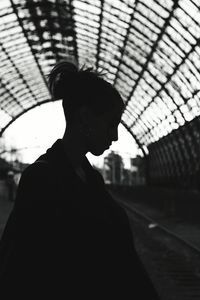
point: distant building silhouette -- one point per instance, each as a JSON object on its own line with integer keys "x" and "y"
{"x": 115, "y": 173}
{"x": 138, "y": 170}
{"x": 113, "y": 168}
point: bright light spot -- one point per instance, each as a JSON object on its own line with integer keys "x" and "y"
{"x": 36, "y": 130}
{"x": 152, "y": 225}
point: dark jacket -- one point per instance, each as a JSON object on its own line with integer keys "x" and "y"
{"x": 70, "y": 238}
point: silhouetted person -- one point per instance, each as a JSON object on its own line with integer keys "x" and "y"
{"x": 66, "y": 237}
{"x": 11, "y": 185}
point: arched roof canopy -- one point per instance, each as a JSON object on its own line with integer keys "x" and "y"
{"x": 149, "y": 48}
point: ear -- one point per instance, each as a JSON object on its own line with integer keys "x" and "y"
{"x": 86, "y": 116}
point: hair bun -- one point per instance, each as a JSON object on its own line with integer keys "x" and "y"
{"x": 66, "y": 66}
{"x": 63, "y": 70}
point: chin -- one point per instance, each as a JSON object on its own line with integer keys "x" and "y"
{"x": 97, "y": 152}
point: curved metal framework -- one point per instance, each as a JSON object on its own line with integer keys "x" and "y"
{"x": 174, "y": 160}
{"x": 149, "y": 48}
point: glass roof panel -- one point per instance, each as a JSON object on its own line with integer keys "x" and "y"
{"x": 148, "y": 48}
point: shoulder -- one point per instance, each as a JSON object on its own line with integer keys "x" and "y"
{"x": 36, "y": 171}
{"x": 36, "y": 189}
{"x": 35, "y": 179}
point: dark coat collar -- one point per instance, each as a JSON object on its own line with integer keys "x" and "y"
{"x": 55, "y": 156}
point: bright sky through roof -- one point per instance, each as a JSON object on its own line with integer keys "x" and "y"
{"x": 39, "y": 128}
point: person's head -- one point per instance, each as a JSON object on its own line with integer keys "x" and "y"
{"x": 89, "y": 102}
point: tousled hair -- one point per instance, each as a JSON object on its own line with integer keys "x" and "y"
{"x": 79, "y": 87}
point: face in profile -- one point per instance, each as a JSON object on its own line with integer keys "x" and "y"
{"x": 104, "y": 130}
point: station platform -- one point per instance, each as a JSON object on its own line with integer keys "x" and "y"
{"x": 166, "y": 237}
{"x": 176, "y": 210}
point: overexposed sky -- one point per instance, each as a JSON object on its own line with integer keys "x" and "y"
{"x": 39, "y": 128}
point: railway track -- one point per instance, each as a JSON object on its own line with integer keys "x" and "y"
{"x": 172, "y": 262}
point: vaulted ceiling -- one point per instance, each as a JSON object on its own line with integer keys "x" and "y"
{"x": 149, "y": 48}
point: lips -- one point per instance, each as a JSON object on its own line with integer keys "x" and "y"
{"x": 108, "y": 145}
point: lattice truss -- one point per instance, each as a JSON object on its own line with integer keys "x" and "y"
{"x": 150, "y": 50}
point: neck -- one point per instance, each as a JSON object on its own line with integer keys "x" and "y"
{"x": 74, "y": 147}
